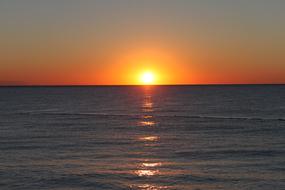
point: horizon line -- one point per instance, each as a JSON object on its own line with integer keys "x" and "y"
{"x": 138, "y": 85}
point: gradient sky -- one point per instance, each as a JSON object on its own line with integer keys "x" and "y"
{"x": 55, "y": 42}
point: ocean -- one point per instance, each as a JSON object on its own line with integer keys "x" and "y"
{"x": 143, "y": 137}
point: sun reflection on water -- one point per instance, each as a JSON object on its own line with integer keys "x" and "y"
{"x": 147, "y": 172}
{"x": 148, "y": 104}
{"x": 149, "y": 187}
{"x": 147, "y": 123}
{"x": 149, "y": 138}
{"x": 157, "y": 164}
{"x": 147, "y": 116}
{"x": 148, "y": 167}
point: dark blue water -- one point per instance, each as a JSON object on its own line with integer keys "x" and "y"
{"x": 148, "y": 138}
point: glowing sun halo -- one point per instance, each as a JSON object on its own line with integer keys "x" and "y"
{"x": 147, "y": 78}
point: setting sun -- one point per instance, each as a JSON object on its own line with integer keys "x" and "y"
{"x": 147, "y": 78}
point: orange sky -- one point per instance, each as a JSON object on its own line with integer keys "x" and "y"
{"x": 114, "y": 42}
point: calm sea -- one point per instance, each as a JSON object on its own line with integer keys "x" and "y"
{"x": 146, "y": 138}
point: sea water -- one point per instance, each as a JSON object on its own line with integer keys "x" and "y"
{"x": 142, "y": 137}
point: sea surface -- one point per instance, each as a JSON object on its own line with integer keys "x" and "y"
{"x": 142, "y": 137}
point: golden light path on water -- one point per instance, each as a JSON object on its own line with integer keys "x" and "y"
{"x": 149, "y": 138}
{"x": 147, "y": 172}
{"x": 147, "y": 109}
{"x": 151, "y": 164}
{"x": 148, "y": 168}
{"x": 147, "y": 123}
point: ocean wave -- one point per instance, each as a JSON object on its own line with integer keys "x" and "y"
{"x": 157, "y": 115}
{"x": 240, "y": 152}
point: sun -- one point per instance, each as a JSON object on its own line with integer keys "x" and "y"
{"x": 147, "y": 78}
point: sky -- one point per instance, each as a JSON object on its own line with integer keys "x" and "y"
{"x": 112, "y": 42}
